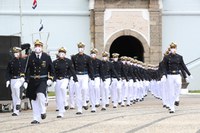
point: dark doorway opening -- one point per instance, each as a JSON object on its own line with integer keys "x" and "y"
{"x": 128, "y": 46}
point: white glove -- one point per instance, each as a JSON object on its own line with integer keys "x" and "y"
{"x": 190, "y": 77}
{"x": 49, "y": 82}
{"x": 25, "y": 85}
{"x": 22, "y": 80}
{"x": 187, "y": 80}
{"x": 7, "y": 83}
{"x": 163, "y": 79}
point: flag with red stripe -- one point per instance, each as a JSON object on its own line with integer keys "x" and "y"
{"x": 34, "y": 4}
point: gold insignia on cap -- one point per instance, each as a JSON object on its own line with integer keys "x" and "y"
{"x": 16, "y": 49}
{"x": 105, "y": 54}
{"x": 62, "y": 49}
{"x": 93, "y": 51}
{"x": 81, "y": 45}
{"x": 173, "y": 45}
{"x": 115, "y": 55}
{"x": 38, "y": 42}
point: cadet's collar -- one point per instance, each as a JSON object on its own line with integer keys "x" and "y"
{"x": 40, "y": 54}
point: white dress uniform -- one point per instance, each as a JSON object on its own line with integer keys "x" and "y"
{"x": 174, "y": 64}
{"x": 15, "y": 77}
{"x": 84, "y": 70}
{"x": 41, "y": 71}
{"x": 63, "y": 70}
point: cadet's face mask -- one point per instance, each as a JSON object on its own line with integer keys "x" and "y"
{"x": 16, "y": 55}
{"x": 104, "y": 58}
{"x": 61, "y": 55}
{"x": 173, "y": 50}
{"x": 38, "y": 49}
{"x": 115, "y": 59}
{"x": 81, "y": 50}
{"x": 123, "y": 62}
{"x": 93, "y": 55}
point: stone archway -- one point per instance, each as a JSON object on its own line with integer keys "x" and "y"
{"x": 135, "y": 34}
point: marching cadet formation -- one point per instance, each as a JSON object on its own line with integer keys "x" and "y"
{"x": 120, "y": 81}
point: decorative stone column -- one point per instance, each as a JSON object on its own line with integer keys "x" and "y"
{"x": 155, "y": 32}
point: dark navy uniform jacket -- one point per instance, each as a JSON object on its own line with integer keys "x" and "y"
{"x": 107, "y": 70}
{"x": 118, "y": 68}
{"x": 64, "y": 69}
{"x": 174, "y": 64}
{"x": 15, "y": 69}
{"x": 83, "y": 65}
{"x": 38, "y": 71}
{"x": 96, "y": 63}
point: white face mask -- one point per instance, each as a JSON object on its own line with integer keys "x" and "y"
{"x": 105, "y": 58}
{"x": 80, "y": 50}
{"x": 93, "y": 55}
{"x": 16, "y": 54}
{"x": 173, "y": 50}
{"x": 38, "y": 50}
{"x": 61, "y": 55}
{"x": 115, "y": 59}
{"x": 123, "y": 62}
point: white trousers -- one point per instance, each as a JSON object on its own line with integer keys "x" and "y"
{"x": 94, "y": 91}
{"x": 38, "y": 106}
{"x": 72, "y": 93}
{"x": 81, "y": 91}
{"x": 124, "y": 90}
{"x": 116, "y": 91}
{"x": 15, "y": 90}
{"x": 105, "y": 92}
{"x": 61, "y": 95}
{"x": 130, "y": 91}
{"x": 174, "y": 86}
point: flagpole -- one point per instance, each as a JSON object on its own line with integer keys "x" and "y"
{"x": 20, "y": 10}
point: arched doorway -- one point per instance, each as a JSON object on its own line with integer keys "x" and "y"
{"x": 128, "y": 46}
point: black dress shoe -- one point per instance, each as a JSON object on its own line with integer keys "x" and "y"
{"x": 78, "y": 113}
{"x": 14, "y": 114}
{"x": 35, "y": 122}
{"x": 85, "y": 107}
{"x": 103, "y": 109}
{"x": 57, "y": 109}
{"x": 120, "y": 103}
{"x": 87, "y": 101}
{"x": 93, "y": 111}
{"x": 18, "y": 107}
{"x": 127, "y": 105}
{"x": 107, "y": 105}
{"x": 43, "y": 116}
{"x": 164, "y": 106}
{"x": 114, "y": 107}
{"x": 66, "y": 107}
{"x": 122, "y": 106}
{"x": 59, "y": 116}
{"x": 171, "y": 112}
{"x": 71, "y": 108}
{"x": 97, "y": 105}
{"x": 176, "y": 103}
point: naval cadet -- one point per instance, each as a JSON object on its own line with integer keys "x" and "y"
{"x": 15, "y": 78}
{"x": 94, "y": 88}
{"x": 116, "y": 87}
{"x": 173, "y": 65}
{"x": 107, "y": 69}
{"x": 63, "y": 70}
{"x": 84, "y": 70}
{"x": 40, "y": 73}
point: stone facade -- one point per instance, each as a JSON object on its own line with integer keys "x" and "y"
{"x": 141, "y": 19}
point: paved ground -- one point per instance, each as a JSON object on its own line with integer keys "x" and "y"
{"x": 143, "y": 117}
